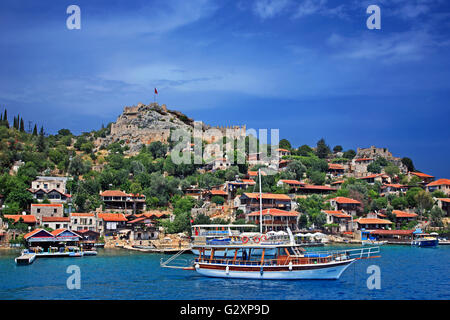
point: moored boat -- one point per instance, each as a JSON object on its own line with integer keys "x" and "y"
{"x": 290, "y": 261}
{"x": 422, "y": 239}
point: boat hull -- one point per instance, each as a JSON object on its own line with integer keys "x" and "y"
{"x": 328, "y": 271}
{"x": 426, "y": 243}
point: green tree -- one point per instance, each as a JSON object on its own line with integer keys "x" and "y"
{"x": 349, "y": 154}
{"x": 337, "y": 149}
{"x": 285, "y": 144}
{"x": 322, "y": 150}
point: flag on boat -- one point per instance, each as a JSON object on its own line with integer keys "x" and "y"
{"x": 156, "y": 91}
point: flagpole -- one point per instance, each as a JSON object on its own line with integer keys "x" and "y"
{"x": 260, "y": 202}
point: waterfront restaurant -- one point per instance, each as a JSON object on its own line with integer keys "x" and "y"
{"x": 371, "y": 222}
{"x": 393, "y": 236}
{"x": 41, "y": 238}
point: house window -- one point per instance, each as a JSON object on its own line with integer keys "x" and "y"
{"x": 38, "y": 210}
{"x": 54, "y": 210}
{"x": 45, "y": 186}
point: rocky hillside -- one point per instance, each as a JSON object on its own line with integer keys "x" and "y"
{"x": 142, "y": 124}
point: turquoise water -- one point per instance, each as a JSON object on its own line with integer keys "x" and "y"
{"x": 406, "y": 273}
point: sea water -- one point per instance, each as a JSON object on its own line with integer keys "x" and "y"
{"x": 405, "y": 273}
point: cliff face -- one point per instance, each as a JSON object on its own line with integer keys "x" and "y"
{"x": 143, "y": 124}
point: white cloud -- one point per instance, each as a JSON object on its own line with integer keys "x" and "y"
{"x": 270, "y": 8}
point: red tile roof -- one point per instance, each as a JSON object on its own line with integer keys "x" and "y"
{"x": 55, "y": 219}
{"x": 440, "y": 182}
{"x": 403, "y": 214}
{"x": 338, "y": 182}
{"x": 29, "y": 234}
{"x": 81, "y": 214}
{"x": 375, "y": 175}
{"x": 394, "y": 185}
{"x": 335, "y": 166}
{"x": 363, "y": 159}
{"x": 422, "y": 175}
{"x": 26, "y": 218}
{"x": 345, "y": 200}
{"x": 275, "y": 212}
{"x": 112, "y": 217}
{"x": 314, "y": 187}
{"x": 113, "y": 193}
{"x": 373, "y": 221}
{"x": 273, "y": 196}
{"x": 46, "y": 205}
{"x": 248, "y": 181}
{"x": 296, "y": 182}
{"x": 337, "y": 214}
{"x": 285, "y": 150}
{"x": 218, "y": 192}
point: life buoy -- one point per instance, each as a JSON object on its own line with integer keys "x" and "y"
{"x": 256, "y": 239}
{"x": 245, "y": 239}
{"x": 263, "y": 238}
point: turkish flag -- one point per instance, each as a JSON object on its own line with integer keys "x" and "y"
{"x": 156, "y": 91}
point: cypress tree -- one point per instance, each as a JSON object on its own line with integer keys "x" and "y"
{"x": 22, "y": 125}
{"x": 40, "y": 144}
{"x": 5, "y": 118}
{"x": 15, "y": 123}
{"x": 35, "y": 130}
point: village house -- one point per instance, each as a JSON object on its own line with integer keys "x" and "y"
{"x": 28, "y": 219}
{"x": 403, "y": 217}
{"x": 308, "y": 189}
{"x": 83, "y": 221}
{"x": 110, "y": 223}
{"x": 337, "y": 184}
{"x": 50, "y": 183}
{"x": 217, "y": 164}
{"x": 241, "y": 184}
{"x": 426, "y": 178}
{"x": 444, "y": 204}
{"x": 209, "y": 194}
{"x": 53, "y": 195}
{"x": 392, "y": 188}
{"x": 55, "y": 222}
{"x": 142, "y": 228}
{"x": 372, "y": 222}
{"x": 380, "y": 177}
{"x": 292, "y": 185}
{"x": 275, "y": 219}
{"x": 347, "y": 205}
{"x": 335, "y": 169}
{"x": 193, "y": 192}
{"x": 283, "y": 152}
{"x": 40, "y": 210}
{"x": 359, "y": 166}
{"x": 119, "y": 201}
{"x": 249, "y": 202}
{"x": 343, "y": 220}
{"x": 439, "y": 185}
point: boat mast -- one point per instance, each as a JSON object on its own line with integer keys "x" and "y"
{"x": 260, "y": 202}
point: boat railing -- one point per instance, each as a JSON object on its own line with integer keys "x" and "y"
{"x": 271, "y": 262}
{"x": 358, "y": 253}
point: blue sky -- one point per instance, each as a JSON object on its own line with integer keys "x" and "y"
{"x": 309, "y": 68}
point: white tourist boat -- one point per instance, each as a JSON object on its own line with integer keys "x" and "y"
{"x": 266, "y": 259}
{"x": 289, "y": 262}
